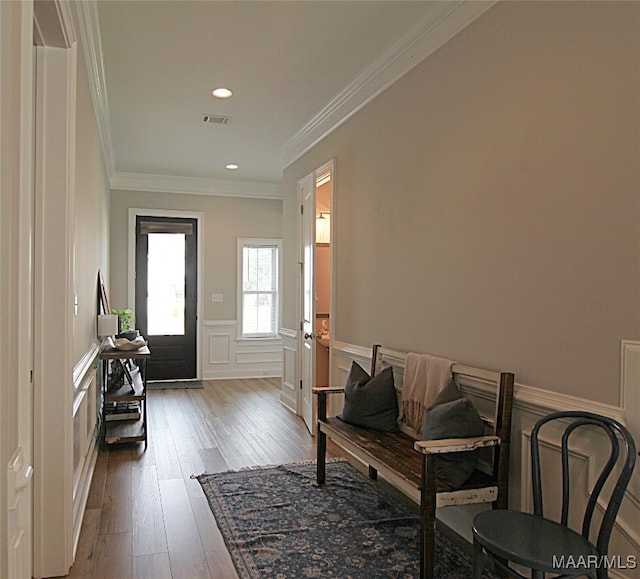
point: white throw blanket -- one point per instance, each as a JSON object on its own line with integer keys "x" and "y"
{"x": 424, "y": 377}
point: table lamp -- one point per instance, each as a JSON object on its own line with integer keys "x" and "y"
{"x": 107, "y": 325}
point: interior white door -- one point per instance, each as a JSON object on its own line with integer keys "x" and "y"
{"x": 306, "y": 189}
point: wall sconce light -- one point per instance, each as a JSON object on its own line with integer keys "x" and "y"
{"x": 323, "y": 228}
{"x": 107, "y": 325}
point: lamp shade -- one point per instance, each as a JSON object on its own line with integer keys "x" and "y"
{"x": 107, "y": 325}
{"x": 323, "y": 228}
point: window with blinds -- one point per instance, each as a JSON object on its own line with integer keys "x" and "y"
{"x": 260, "y": 291}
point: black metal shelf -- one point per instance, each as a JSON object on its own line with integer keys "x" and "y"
{"x": 133, "y": 388}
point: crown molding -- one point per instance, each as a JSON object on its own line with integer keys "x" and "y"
{"x": 89, "y": 32}
{"x": 194, "y": 186}
{"x": 66, "y": 22}
{"x": 441, "y": 22}
{"x": 53, "y": 24}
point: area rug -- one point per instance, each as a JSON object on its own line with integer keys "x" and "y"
{"x": 278, "y": 523}
{"x": 170, "y": 385}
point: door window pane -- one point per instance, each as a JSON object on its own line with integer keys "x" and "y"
{"x": 165, "y": 284}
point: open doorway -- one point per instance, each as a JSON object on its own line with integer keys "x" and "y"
{"x": 316, "y": 195}
{"x": 323, "y": 275}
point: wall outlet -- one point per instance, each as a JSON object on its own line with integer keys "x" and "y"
{"x": 217, "y": 297}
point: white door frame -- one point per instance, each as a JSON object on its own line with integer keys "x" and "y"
{"x": 134, "y": 212}
{"x": 16, "y": 289}
{"x": 329, "y": 166}
{"x": 54, "y": 276}
{"x": 306, "y": 345}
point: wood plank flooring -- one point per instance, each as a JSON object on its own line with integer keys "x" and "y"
{"x": 145, "y": 517}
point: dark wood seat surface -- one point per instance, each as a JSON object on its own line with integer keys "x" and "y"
{"x": 395, "y": 450}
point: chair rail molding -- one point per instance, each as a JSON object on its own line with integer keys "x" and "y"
{"x": 541, "y": 402}
{"x": 86, "y": 362}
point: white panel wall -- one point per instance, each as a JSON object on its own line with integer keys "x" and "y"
{"x": 87, "y": 403}
{"x": 290, "y": 385}
{"x": 529, "y": 405}
{"x": 226, "y": 356}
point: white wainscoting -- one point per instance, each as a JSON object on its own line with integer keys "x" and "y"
{"x": 226, "y": 356}
{"x": 87, "y": 402}
{"x": 529, "y": 405}
{"x": 289, "y": 394}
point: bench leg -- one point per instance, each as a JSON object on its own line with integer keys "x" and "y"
{"x": 428, "y": 518}
{"x": 321, "y": 462}
{"x": 373, "y": 473}
{"x": 321, "y": 443}
{"x": 477, "y": 559}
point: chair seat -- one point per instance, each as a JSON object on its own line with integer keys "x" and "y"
{"x": 533, "y": 541}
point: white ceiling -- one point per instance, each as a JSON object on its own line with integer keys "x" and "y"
{"x": 297, "y": 68}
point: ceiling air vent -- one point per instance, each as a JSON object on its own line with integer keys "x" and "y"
{"x": 216, "y": 119}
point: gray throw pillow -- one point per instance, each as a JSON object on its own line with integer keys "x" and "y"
{"x": 370, "y": 402}
{"x": 452, "y": 415}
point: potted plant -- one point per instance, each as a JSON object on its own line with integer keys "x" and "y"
{"x": 125, "y": 324}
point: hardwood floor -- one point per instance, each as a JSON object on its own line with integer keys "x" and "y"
{"x": 145, "y": 517}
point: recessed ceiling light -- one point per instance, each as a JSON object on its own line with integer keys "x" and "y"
{"x": 231, "y": 166}
{"x": 221, "y": 93}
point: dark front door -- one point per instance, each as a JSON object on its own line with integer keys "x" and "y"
{"x": 166, "y": 295}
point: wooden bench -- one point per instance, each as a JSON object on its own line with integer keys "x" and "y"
{"x": 410, "y": 464}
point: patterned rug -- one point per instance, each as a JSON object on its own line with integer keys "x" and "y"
{"x": 170, "y": 385}
{"x": 278, "y": 523}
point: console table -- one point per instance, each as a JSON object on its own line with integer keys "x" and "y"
{"x": 124, "y": 408}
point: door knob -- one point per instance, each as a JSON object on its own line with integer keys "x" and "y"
{"x": 308, "y": 336}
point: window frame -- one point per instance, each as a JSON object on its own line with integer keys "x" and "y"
{"x": 258, "y": 242}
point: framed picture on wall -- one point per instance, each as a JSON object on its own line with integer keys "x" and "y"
{"x": 103, "y": 298}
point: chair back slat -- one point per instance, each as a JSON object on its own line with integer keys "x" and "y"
{"x": 376, "y": 359}
{"x": 502, "y": 429}
{"x": 619, "y": 440}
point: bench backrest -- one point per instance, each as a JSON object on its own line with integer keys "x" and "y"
{"x": 491, "y": 392}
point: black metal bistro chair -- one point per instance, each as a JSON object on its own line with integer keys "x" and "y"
{"x": 545, "y": 546}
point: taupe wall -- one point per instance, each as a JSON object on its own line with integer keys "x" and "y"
{"x": 487, "y": 204}
{"x": 226, "y": 219}
{"x": 91, "y": 218}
